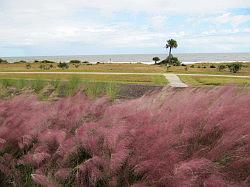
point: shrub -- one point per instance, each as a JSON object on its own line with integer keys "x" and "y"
{"x": 234, "y": 67}
{"x": 46, "y": 67}
{"x": 47, "y": 62}
{"x": 171, "y": 60}
{"x": 187, "y": 137}
{"x": 212, "y": 66}
{"x": 63, "y": 65}
{"x": 75, "y": 62}
{"x": 192, "y": 66}
{"x": 156, "y": 59}
{"x": 221, "y": 67}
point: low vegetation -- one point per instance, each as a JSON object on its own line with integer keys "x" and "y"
{"x": 157, "y": 80}
{"x": 188, "y": 137}
{"x": 55, "y": 89}
{"x": 214, "y": 81}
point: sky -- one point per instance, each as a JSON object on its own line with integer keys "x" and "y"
{"x": 81, "y": 27}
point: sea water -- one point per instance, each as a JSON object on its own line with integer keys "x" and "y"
{"x": 142, "y": 58}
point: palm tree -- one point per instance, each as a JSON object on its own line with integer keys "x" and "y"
{"x": 171, "y": 44}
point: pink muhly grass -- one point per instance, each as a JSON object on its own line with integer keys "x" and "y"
{"x": 177, "y": 137}
{"x": 42, "y": 180}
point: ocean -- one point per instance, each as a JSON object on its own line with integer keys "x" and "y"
{"x": 187, "y": 58}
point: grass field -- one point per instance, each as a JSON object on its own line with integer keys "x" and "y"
{"x": 215, "y": 81}
{"x": 128, "y": 68}
{"x": 133, "y": 79}
{"x": 124, "y": 68}
{"x": 205, "y": 68}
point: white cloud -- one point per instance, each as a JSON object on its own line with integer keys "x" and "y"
{"x": 234, "y": 20}
{"x": 158, "y": 21}
{"x": 45, "y": 22}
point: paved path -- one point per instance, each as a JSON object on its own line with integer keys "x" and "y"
{"x": 173, "y": 79}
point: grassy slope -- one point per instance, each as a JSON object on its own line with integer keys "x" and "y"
{"x": 200, "y": 80}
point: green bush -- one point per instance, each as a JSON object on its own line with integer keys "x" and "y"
{"x": 47, "y": 62}
{"x": 63, "y": 65}
{"x": 221, "y": 67}
{"x": 156, "y": 59}
{"x": 75, "y": 62}
{"x": 234, "y": 67}
{"x": 171, "y": 60}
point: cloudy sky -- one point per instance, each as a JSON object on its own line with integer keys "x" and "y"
{"x": 70, "y": 27}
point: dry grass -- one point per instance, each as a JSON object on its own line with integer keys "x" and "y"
{"x": 204, "y": 68}
{"x": 128, "y": 68}
{"x": 125, "y": 68}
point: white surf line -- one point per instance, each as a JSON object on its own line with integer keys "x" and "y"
{"x": 175, "y": 81}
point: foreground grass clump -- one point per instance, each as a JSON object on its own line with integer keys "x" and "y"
{"x": 188, "y": 137}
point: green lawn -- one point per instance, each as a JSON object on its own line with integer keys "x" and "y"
{"x": 216, "y": 81}
{"x": 132, "y": 79}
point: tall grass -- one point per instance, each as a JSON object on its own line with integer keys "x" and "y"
{"x": 37, "y": 85}
{"x": 72, "y": 85}
{"x": 63, "y": 88}
{"x": 97, "y": 89}
{"x": 188, "y": 137}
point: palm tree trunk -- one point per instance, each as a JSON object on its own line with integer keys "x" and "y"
{"x": 169, "y": 55}
{"x": 170, "y": 51}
